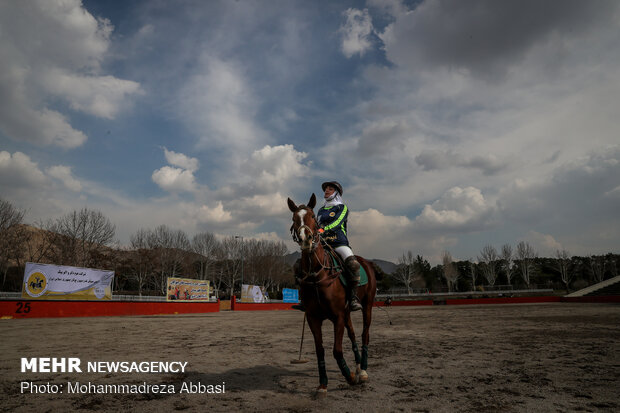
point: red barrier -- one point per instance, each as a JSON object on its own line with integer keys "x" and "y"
{"x": 239, "y": 306}
{"x": 262, "y": 306}
{"x": 40, "y": 308}
{"x": 503, "y": 300}
{"x": 593, "y": 299}
{"x": 404, "y": 303}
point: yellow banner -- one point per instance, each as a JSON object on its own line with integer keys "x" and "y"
{"x": 187, "y": 289}
{"x": 56, "y": 282}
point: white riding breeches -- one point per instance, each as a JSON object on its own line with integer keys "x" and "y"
{"x": 344, "y": 252}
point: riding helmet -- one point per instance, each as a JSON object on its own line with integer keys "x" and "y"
{"x": 334, "y": 184}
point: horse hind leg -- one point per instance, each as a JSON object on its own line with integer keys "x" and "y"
{"x": 342, "y": 364}
{"x": 354, "y": 346}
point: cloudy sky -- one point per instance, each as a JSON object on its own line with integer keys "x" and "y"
{"x": 451, "y": 124}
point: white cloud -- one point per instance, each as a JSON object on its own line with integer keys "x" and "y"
{"x": 356, "y": 32}
{"x": 181, "y": 160}
{"x": 220, "y": 107}
{"x": 64, "y": 66}
{"x": 17, "y": 171}
{"x": 101, "y": 96}
{"x": 63, "y": 173}
{"x": 268, "y": 205}
{"x": 544, "y": 244}
{"x": 213, "y": 215}
{"x": 179, "y": 179}
{"x": 271, "y": 167}
{"x": 459, "y": 209}
{"x": 174, "y": 179}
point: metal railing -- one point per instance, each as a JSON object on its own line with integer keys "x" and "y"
{"x": 428, "y": 294}
{"x": 144, "y": 298}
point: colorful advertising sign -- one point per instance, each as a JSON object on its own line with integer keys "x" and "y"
{"x": 55, "y": 282}
{"x": 253, "y": 294}
{"x": 187, "y": 289}
{"x": 290, "y": 296}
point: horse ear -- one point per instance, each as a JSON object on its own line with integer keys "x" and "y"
{"x": 312, "y": 202}
{"x": 291, "y": 205}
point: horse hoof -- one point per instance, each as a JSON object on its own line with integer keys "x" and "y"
{"x": 352, "y": 379}
{"x": 321, "y": 392}
{"x": 363, "y": 376}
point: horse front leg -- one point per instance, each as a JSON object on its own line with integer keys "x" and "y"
{"x": 315, "y": 328}
{"x": 356, "y": 351}
{"x": 367, "y": 317}
{"x": 342, "y": 364}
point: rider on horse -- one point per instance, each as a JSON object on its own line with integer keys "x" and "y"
{"x": 332, "y": 219}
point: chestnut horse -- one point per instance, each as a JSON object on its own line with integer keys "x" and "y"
{"x": 325, "y": 297}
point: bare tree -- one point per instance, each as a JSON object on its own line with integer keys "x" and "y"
{"x": 525, "y": 257}
{"x": 171, "y": 248}
{"x": 205, "y": 245}
{"x": 562, "y": 263}
{"x": 488, "y": 259}
{"x": 597, "y": 266}
{"x": 79, "y": 234}
{"x": 508, "y": 261}
{"x": 265, "y": 263}
{"x": 230, "y": 254}
{"x": 11, "y": 235}
{"x": 141, "y": 259}
{"x": 472, "y": 274}
{"x": 405, "y": 271}
{"x": 450, "y": 271}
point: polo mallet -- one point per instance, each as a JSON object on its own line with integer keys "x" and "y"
{"x": 300, "y": 360}
{"x": 386, "y": 312}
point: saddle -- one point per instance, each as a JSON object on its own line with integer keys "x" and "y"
{"x": 338, "y": 264}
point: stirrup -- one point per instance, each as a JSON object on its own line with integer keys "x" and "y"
{"x": 354, "y": 304}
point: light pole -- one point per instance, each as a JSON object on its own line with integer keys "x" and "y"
{"x": 242, "y": 251}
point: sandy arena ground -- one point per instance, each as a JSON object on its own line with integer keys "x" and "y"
{"x": 526, "y": 358}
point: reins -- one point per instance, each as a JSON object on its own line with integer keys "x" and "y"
{"x": 309, "y": 278}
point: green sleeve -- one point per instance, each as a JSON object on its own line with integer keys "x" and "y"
{"x": 338, "y": 221}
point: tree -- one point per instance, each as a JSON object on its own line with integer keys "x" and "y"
{"x": 171, "y": 249}
{"x": 507, "y": 262}
{"x": 79, "y": 234}
{"x": 141, "y": 259}
{"x": 230, "y": 253}
{"x": 488, "y": 259}
{"x": 450, "y": 272}
{"x": 472, "y": 273}
{"x": 525, "y": 258}
{"x": 597, "y": 267}
{"x": 562, "y": 263}
{"x": 11, "y": 235}
{"x": 204, "y": 244}
{"x": 405, "y": 271}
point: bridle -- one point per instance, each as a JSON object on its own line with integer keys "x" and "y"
{"x": 325, "y": 263}
{"x": 315, "y": 236}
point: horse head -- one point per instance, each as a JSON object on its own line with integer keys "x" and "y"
{"x": 305, "y": 227}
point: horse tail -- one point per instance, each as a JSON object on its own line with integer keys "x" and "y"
{"x": 379, "y": 274}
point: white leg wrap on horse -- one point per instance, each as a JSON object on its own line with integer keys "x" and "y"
{"x": 344, "y": 252}
{"x": 363, "y": 376}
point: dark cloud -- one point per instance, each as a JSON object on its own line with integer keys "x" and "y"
{"x": 580, "y": 194}
{"x": 439, "y": 160}
{"x": 486, "y": 36}
{"x": 382, "y": 137}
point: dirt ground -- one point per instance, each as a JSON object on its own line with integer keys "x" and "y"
{"x": 540, "y": 357}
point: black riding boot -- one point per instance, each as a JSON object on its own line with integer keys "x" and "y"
{"x": 298, "y": 276}
{"x": 354, "y": 270}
